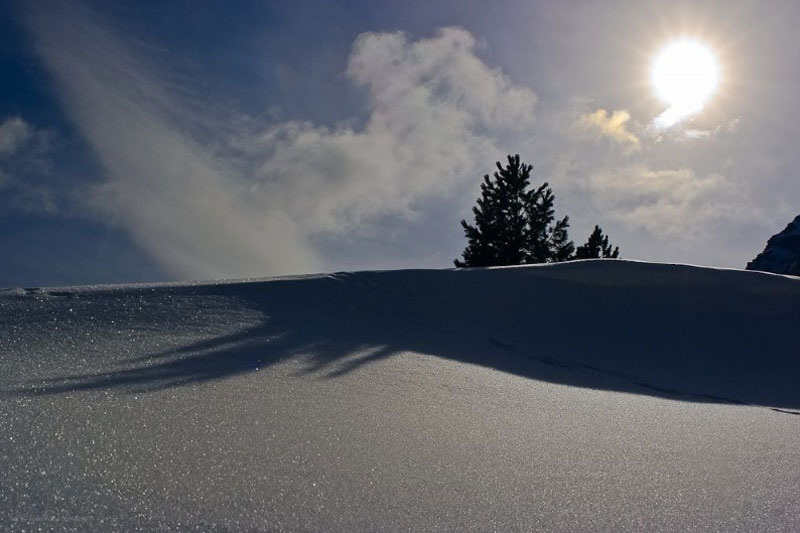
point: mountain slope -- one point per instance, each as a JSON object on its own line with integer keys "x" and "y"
{"x": 782, "y": 254}
{"x": 588, "y": 395}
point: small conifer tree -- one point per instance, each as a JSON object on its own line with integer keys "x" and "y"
{"x": 597, "y": 247}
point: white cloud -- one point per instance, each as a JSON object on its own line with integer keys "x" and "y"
{"x": 14, "y": 133}
{"x": 435, "y": 113}
{"x": 252, "y": 202}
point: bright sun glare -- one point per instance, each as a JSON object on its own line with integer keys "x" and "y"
{"x": 685, "y": 74}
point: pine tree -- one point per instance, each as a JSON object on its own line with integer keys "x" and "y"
{"x": 540, "y": 214}
{"x": 514, "y": 224}
{"x": 561, "y": 248}
{"x": 597, "y": 247}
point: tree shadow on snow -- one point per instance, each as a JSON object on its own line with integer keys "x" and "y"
{"x": 660, "y": 330}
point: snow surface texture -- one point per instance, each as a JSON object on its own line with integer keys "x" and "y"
{"x": 595, "y": 395}
{"x": 782, "y": 254}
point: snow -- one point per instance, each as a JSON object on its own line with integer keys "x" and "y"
{"x": 594, "y": 395}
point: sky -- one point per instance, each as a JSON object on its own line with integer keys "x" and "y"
{"x": 151, "y": 141}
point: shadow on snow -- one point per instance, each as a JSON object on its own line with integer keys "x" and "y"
{"x": 663, "y": 330}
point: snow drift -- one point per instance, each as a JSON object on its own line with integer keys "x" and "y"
{"x": 588, "y": 395}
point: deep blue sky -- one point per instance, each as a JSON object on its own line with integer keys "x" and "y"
{"x": 156, "y": 141}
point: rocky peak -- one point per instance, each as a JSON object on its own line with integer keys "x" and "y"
{"x": 782, "y": 254}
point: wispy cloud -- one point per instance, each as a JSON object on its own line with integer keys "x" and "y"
{"x": 24, "y": 161}
{"x": 35, "y": 199}
{"x": 14, "y": 133}
{"x": 674, "y": 203}
{"x": 251, "y": 200}
{"x": 613, "y": 126}
{"x": 673, "y": 116}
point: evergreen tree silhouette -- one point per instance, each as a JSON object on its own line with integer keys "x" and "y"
{"x": 513, "y": 223}
{"x": 561, "y": 248}
{"x": 596, "y": 247}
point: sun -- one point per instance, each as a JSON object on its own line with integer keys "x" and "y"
{"x": 685, "y": 74}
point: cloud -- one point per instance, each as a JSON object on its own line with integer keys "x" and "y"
{"x": 667, "y": 203}
{"x": 14, "y": 133}
{"x": 35, "y": 199}
{"x": 600, "y": 124}
{"x": 210, "y": 199}
{"x": 672, "y": 116}
{"x": 24, "y": 165}
{"x": 435, "y": 113}
{"x": 697, "y": 134}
